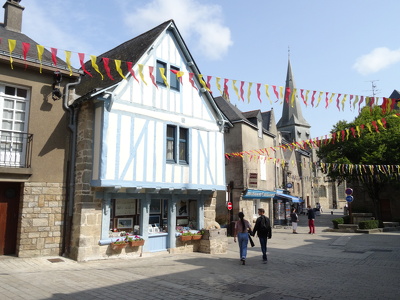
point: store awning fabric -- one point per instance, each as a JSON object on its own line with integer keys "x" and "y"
{"x": 258, "y": 194}
{"x": 289, "y": 197}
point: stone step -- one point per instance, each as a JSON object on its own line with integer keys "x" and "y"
{"x": 390, "y": 224}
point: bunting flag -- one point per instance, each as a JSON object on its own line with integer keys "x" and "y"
{"x": 242, "y": 90}
{"x": 40, "y": 50}
{"x": 129, "y": 66}
{"x": 192, "y": 81}
{"x": 106, "y": 62}
{"x": 68, "y": 61}
{"x": 217, "y": 79}
{"x": 11, "y": 47}
{"x": 226, "y": 87}
{"x": 208, "y": 83}
{"x": 25, "y": 50}
{"x": 267, "y": 93}
{"x": 153, "y": 79}
{"x": 249, "y": 91}
{"x": 118, "y": 68}
{"x": 202, "y": 82}
{"x": 140, "y": 70}
{"x": 81, "y": 61}
{"x": 179, "y": 75}
{"x": 275, "y": 92}
{"x": 258, "y": 92}
{"x": 313, "y": 98}
{"x": 95, "y": 66}
{"x": 235, "y": 89}
{"x": 162, "y": 73}
{"x": 54, "y": 56}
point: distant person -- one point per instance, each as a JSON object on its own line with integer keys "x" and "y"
{"x": 294, "y": 218}
{"x": 264, "y": 232}
{"x": 242, "y": 228}
{"x": 311, "y": 218}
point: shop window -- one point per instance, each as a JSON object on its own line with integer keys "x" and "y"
{"x": 125, "y": 215}
{"x": 186, "y": 214}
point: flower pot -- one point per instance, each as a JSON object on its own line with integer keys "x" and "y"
{"x": 118, "y": 246}
{"x": 136, "y": 243}
{"x": 197, "y": 237}
{"x": 185, "y": 238}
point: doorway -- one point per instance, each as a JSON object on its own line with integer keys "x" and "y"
{"x": 9, "y": 207}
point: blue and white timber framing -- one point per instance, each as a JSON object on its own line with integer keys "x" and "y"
{"x": 130, "y": 144}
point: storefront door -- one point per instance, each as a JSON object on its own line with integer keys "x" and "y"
{"x": 9, "y": 204}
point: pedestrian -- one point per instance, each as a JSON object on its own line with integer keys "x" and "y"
{"x": 264, "y": 232}
{"x": 242, "y": 228}
{"x": 294, "y": 218}
{"x": 311, "y": 218}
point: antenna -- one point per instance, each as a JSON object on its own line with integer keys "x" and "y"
{"x": 374, "y": 90}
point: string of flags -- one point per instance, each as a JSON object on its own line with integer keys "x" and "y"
{"x": 273, "y": 93}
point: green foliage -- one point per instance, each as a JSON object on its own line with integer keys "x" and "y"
{"x": 336, "y": 222}
{"x": 370, "y": 224}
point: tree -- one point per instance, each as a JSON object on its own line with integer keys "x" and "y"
{"x": 369, "y": 156}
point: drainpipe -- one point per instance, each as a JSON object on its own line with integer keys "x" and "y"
{"x": 71, "y": 170}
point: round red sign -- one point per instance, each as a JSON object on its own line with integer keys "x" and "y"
{"x": 229, "y": 205}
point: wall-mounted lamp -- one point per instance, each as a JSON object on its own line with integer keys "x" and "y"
{"x": 56, "y": 93}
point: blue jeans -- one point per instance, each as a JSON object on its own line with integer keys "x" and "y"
{"x": 263, "y": 243}
{"x": 243, "y": 239}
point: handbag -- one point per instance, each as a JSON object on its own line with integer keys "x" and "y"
{"x": 251, "y": 240}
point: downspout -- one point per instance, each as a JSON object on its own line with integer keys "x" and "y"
{"x": 71, "y": 170}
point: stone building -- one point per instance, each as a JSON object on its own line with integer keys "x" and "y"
{"x": 34, "y": 143}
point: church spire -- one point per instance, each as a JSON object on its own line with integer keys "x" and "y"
{"x": 292, "y": 124}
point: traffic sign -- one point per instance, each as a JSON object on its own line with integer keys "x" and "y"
{"x": 349, "y": 191}
{"x": 289, "y": 185}
{"x": 349, "y": 198}
{"x": 229, "y": 205}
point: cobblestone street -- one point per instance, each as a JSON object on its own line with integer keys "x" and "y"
{"x": 327, "y": 265}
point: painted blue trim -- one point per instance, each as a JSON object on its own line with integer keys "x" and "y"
{"x": 258, "y": 194}
{"x": 118, "y": 146}
{"x": 162, "y": 185}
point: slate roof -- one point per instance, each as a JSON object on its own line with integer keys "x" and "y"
{"x": 130, "y": 51}
{"x": 32, "y": 56}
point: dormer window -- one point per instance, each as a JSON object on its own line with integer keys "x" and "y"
{"x": 172, "y": 78}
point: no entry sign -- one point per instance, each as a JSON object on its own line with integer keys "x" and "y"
{"x": 229, "y": 205}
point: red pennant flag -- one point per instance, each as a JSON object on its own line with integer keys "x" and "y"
{"x": 242, "y": 90}
{"x": 54, "y": 56}
{"x": 326, "y": 100}
{"x": 338, "y": 101}
{"x": 333, "y": 137}
{"x": 394, "y": 101}
{"x": 191, "y": 80}
{"x": 153, "y": 79}
{"x": 384, "y": 122}
{"x": 81, "y": 59}
{"x": 25, "y": 50}
{"x": 177, "y": 73}
{"x": 376, "y": 126}
{"x": 359, "y": 103}
{"x": 353, "y": 131}
{"x": 313, "y": 98}
{"x": 258, "y": 92}
{"x": 276, "y": 92}
{"x": 129, "y": 66}
{"x": 287, "y": 94}
{"x": 343, "y": 135}
{"x": 208, "y": 83}
{"x": 226, "y": 87}
{"x": 106, "y": 61}
{"x": 302, "y": 96}
{"x": 384, "y": 105}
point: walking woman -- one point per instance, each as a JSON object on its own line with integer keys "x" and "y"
{"x": 242, "y": 227}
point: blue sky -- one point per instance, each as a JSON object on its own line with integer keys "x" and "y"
{"x": 335, "y": 46}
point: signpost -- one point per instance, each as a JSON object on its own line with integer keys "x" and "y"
{"x": 349, "y": 199}
{"x": 229, "y": 205}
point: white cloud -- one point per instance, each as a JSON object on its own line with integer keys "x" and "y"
{"x": 378, "y": 59}
{"x": 198, "y": 23}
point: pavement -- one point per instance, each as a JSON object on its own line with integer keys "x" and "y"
{"x": 327, "y": 265}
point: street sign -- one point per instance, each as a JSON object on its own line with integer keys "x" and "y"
{"x": 229, "y": 205}
{"x": 289, "y": 185}
{"x": 349, "y": 198}
{"x": 349, "y": 191}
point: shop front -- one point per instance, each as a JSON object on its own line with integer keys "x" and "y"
{"x": 259, "y": 199}
{"x": 283, "y": 204}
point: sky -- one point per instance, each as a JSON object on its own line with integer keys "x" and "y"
{"x": 341, "y": 46}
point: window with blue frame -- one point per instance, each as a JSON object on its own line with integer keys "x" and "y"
{"x": 159, "y": 79}
{"x": 174, "y": 80}
{"x": 177, "y": 146}
{"x": 172, "y": 77}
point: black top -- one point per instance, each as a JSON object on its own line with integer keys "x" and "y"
{"x": 259, "y": 228}
{"x": 311, "y": 214}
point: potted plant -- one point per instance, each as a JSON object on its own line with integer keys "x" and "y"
{"x": 119, "y": 244}
{"x": 135, "y": 241}
{"x": 186, "y": 236}
{"x": 197, "y": 236}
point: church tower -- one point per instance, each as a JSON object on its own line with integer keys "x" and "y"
{"x": 292, "y": 124}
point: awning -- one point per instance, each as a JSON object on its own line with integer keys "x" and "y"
{"x": 258, "y": 194}
{"x": 289, "y": 197}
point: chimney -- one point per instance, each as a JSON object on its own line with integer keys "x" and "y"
{"x": 13, "y": 15}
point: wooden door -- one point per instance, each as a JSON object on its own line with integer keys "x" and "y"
{"x": 9, "y": 205}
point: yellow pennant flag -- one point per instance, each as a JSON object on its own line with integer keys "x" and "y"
{"x": 331, "y": 98}
{"x": 369, "y": 127}
{"x": 95, "y": 66}
{"x": 162, "y": 73}
{"x": 249, "y": 92}
{"x": 40, "y": 50}
{"x": 344, "y": 101}
{"x": 217, "y": 79}
{"x": 140, "y": 70}
{"x": 338, "y": 136}
{"x": 307, "y": 92}
{"x": 281, "y": 92}
{"x": 68, "y": 61}
{"x": 293, "y": 97}
{"x": 202, "y": 82}
{"x": 118, "y": 68}
{"x": 319, "y": 98}
{"x": 355, "y": 102}
{"x": 358, "y": 130}
{"x": 347, "y": 133}
{"x": 235, "y": 89}
{"x": 267, "y": 93}
{"x": 11, "y": 47}
{"x": 380, "y": 123}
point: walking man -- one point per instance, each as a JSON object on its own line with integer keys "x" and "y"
{"x": 264, "y": 232}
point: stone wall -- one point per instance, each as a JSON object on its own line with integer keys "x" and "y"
{"x": 42, "y": 215}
